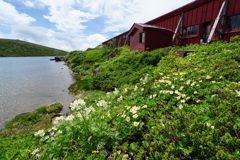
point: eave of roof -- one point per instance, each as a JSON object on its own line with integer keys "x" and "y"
{"x": 116, "y": 36}
{"x": 142, "y": 26}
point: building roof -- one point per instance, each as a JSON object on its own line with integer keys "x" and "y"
{"x": 142, "y": 26}
{"x": 124, "y": 33}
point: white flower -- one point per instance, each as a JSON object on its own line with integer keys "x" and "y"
{"x": 128, "y": 107}
{"x": 70, "y": 117}
{"x": 124, "y": 115}
{"x": 238, "y": 93}
{"x": 90, "y": 109}
{"x": 179, "y": 97}
{"x": 183, "y": 101}
{"x": 128, "y": 119}
{"x": 102, "y": 103}
{"x": 115, "y": 91}
{"x": 79, "y": 115}
{"x": 40, "y": 133}
{"x": 125, "y": 89}
{"x": 135, "y": 88}
{"x": 135, "y": 123}
{"x": 120, "y": 98}
{"x": 38, "y": 155}
{"x": 46, "y": 137}
{"x": 208, "y": 124}
{"x": 134, "y": 109}
{"x": 177, "y": 92}
{"x": 180, "y": 106}
{"x": 188, "y": 82}
{"x": 58, "y": 119}
{"x": 77, "y": 104}
{"x": 208, "y": 77}
{"x": 54, "y": 128}
{"x": 80, "y": 102}
{"x": 144, "y": 106}
{"x": 142, "y": 89}
{"x": 212, "y": 127}
{"x": 35, "y": 151}
{"x": 193, "y": 83}
{"x": 183, "y": 95}
{"x": 181, "y": 88}
{"x": 162, "y": 124}
{"x": 135, "y": 116}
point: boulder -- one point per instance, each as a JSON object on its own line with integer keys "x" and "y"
{"x": 95, "y": 71}
{"x": 113, "y": 54}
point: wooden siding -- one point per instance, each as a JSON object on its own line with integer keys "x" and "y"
{"x": 156, "y": 38}
{"x": 197, "y": 12}
{"x": 134, "y": 41}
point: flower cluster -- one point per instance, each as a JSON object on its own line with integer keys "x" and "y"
{"x": 40, "y": 133}
{"x": 59, "y": 119}
{"x": 77, "y": 104}
{"x": 102, "y": 103}
{"x": 132, "y": 112}
{"x": 70, "y": 117}
{"x": 36, "y": 153}
{"x": 116, "y": 91}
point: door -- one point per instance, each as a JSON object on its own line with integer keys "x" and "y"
{"x": 205, "y": 31}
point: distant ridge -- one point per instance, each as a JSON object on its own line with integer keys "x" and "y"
{"x": 18, "y": 48}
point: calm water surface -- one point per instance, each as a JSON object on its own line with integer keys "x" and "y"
{"x": 27, "y": 83}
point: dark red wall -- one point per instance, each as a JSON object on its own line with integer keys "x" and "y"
{"x": 156, "y": 38}
{"x": 197, "y": 12}
{"x": 205, "y": 12}
{"x": 134, "y": 41}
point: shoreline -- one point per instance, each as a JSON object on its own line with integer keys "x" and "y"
{"x": 27, "y": 82}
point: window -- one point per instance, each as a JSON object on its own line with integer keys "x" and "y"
{"x": 234, "y": 22}
{"x": 190, "y": 31}
{"x": 124, "y": 36}
{"x": 142, "y": 37}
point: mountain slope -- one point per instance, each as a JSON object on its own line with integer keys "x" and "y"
{"x": 17, "y": 48}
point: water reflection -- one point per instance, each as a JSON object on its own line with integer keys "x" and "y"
{"x": 27, "y": 83}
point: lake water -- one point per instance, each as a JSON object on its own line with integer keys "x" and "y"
{"x": 27, "y": 83}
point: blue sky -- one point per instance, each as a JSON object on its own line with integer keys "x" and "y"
{"x": 76, "y": 24}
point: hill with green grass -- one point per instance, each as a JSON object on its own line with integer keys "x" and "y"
{"x": 151, "y": 105}
{"x": 18, "y": 48}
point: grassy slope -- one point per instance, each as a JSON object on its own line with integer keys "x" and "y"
{"x": 17, "y": 48}
{"x": 179, "y": 108}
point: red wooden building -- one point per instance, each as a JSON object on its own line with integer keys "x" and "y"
{"x": 198, "y": 22}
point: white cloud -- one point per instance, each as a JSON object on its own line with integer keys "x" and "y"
{"x": 9, "y": 15}
{"x": 119, "y": 14}
{"x": 47, "y": 37}
{"x": 122, "y": 17}
{"x": 28, "y": 3}
{"x": 70, "y": 18}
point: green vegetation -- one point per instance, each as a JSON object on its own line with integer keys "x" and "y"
{"x": 31, "y": 122}
{"x": 157, "y": 106}
{"x": 17, "y": 48}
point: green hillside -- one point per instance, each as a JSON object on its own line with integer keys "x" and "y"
{"x": 17, "y": 48}
{"x": 151, "y": 105}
